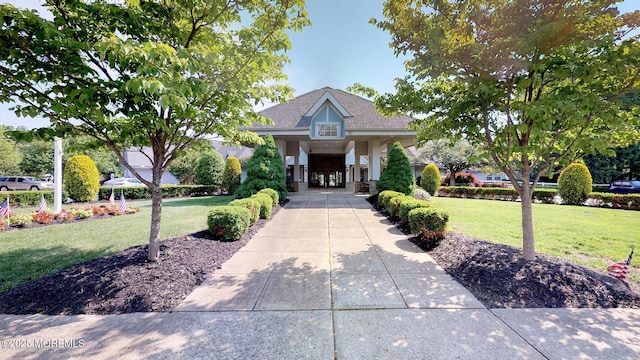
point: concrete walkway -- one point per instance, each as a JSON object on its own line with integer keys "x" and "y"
{"x": 329, "y": 278}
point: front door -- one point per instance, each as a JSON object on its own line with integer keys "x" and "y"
{"x": 326, "y": 170}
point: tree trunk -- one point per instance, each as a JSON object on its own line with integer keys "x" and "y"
{"x": 156, "y": 215}
{"x": 528, "y": 247}
{"x": 452, "y": 177}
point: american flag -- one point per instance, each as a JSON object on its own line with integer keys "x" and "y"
{"x": 112, "y": 199}
{"x": 43, "y": 205}
{"x": 123, "y": 204}
{"x": 620, "y": 269}
{"x": 5, "y": 209}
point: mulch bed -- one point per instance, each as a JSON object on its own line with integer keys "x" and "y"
{"x": 127, "y": 282}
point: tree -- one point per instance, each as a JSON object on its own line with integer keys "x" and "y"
{"x": 398, "y": 175}
{"x": 10, "y": 157}
{"x": 209, "y": 169}
{"x": 231, "y": 175}
{"x": 532, "y": 84}
{"x": 158, "y": 74}
{"x": 265, "y": 170}
{"x": 81, "y": 178}
{"x": 37, "y": 157}
{"x": 574, "y": 184}
{"x": 456, "y": 156}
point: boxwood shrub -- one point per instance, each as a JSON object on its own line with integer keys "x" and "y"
{"x": 252, "y": 204}
{"x": 266, "y": 204}
{"x": 384, "y": 197}
{"x": 408, "y": 204}
{"x": 275, "y": 198}
{"x": 430, "y": 223}
{"x": 229, "y": 222}
{"x": 394, "y": 205}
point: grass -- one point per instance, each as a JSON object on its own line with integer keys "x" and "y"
{"x": 33, "y": 253}
{"x": 592, "y": 236}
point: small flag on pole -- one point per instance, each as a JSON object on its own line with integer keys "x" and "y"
{"x": 43, "y": 205}
{"x": 112, "y": 199}
{"x": 5, "y": 209}
{"x": 123, "y": 204}
{"x": 620, "y": 269}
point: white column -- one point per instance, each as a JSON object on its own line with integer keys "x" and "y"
{"x": 296, "y": 167}
{"x": 282, "y": 149}
{"x": 374, "y": 159}
{"x": 57, "y": 175}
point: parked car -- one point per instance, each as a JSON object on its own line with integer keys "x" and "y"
{"x": 625, "y": 187}
{"x": 24, "y": 183}
{"x": 123, "y": 182}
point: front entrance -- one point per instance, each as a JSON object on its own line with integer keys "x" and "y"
{"x": 326, "y": 171}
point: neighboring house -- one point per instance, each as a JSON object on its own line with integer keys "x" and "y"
{"x": 331, "y": 138}
{"x": 141, "y": 163}
{"x": 241, "y": 152}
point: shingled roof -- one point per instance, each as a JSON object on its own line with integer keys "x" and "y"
{"x": 363, "y": 112}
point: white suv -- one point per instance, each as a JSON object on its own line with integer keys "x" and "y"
{"x": 24, "y": 183}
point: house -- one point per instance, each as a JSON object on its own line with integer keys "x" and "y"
{"x": 330, "y": 138}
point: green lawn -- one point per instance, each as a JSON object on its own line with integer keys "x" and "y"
{"x": 591, "y": 236}
{"x": 33, "y": 253}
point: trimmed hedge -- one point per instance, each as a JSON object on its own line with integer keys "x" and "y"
{"x": 394, "y": 205}
{"x": 81, "y": 178}
{"x": 384, "y": 197}
{"x": 574, "y": 184}
{"x": 252, "y": 204}
{"x": 275, "y": 198}
{"x": 509, "y": 194}
{"x": 229, "y": 222}
{"x": 430, "y": 178}
{"x": 168, "y": 191}
{"x": 266, "y": 204}
{"x": 430, "y": 222}
{"x": 409, "y": 204}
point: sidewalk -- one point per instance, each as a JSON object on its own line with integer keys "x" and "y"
{"x": 327, "y": 278}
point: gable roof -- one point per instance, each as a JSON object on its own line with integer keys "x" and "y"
{"x": 297, "y": 112}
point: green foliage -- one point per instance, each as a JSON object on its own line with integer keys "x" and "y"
{"x": 384, "y": 197}
{"x": 273, "y": 194}
{"x": 420, "y": 194}
{"x": 266, "y": 204}
{"x": 10, "y": 157}
{"x": 430, "y": 222}
{"x": 156, "y": 74}
{"x": 409, "y": 204}
{"x": 394, "y": 205}
{"x": 81, "y": 178}
{"x": 37, "y": 158}
{"x": 574, "y": 184}
{"x": 264, "y": 170}
{"x": 252, "y": 204}
{"x": 229, "y": 222}
{"x": 521, "y": 86}
{"x": 430, "y": 178}
{"x": 625, "y": 164}
{"x": 398, "y": 176}
{"x": 231, "y": 175}
{"x": 209, "y": 169}
{"x": 183, "y": 167}
{"x": 456, "y": 156}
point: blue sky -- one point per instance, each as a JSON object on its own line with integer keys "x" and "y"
{"x": 339, "y": 49}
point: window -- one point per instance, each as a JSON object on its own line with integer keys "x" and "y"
{"x": 327, "y": 130}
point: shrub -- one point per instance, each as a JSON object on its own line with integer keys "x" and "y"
{"x": 265, "y": 204}
{"x": 385, "y": 196}
{"x": 252, "y": 204}
{"x": 394, "y": 205}
{"x": 430, "y": 223}
{"x": 463, "y": 179}
{"x": 81, "y": 178}
{"x": 273, "y": 194}
{"x": 420, "y": 194}
{"x": 430, "y": 178}
{"x": 398, "y": 175}
{"x": 409, "y": 204}
{"x": 231, "y": 175}
{"x": 209, "y": 169}
{"x": 264, "y": 170}
{"x": 42, "y": 218}
{"x": 229, "y": 222}
{"x": 574, "y": 184}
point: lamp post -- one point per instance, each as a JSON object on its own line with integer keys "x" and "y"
{"x": 57, "y": 175}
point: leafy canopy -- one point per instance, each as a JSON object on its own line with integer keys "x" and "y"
{"x": 534, "y": 84}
